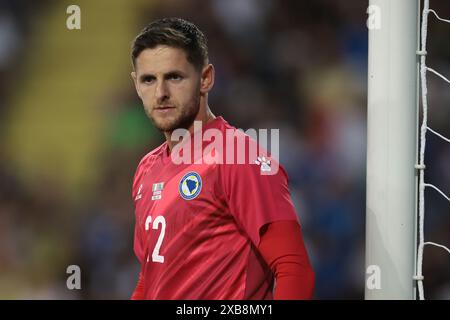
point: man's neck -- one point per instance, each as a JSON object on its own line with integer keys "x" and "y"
{"x": 207, "y": 117}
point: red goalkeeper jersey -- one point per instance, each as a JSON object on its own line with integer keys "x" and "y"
{"x": 198, "y": 225}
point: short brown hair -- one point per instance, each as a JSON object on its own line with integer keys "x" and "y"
{"x": 173, "y": 32}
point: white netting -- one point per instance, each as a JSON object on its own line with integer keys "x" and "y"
{"x": 423, "y": 130}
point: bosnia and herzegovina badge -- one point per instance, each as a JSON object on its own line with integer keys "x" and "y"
{"x": 190, "y": 185}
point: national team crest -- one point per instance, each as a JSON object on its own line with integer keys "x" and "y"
{"x": 190, "y": 186}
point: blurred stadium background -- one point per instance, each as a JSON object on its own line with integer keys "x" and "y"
{"x": 73, "y": 130}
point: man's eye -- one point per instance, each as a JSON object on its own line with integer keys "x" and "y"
{"x": 148, "y": 79}
{"x": 175, "y": 77}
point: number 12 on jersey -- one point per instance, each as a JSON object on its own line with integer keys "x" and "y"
{"x": 159, "y": 220}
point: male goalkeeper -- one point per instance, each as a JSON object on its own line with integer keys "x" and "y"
{"x": 206, "y": 230}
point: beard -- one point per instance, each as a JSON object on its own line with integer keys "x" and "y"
{"x": 183, "y": 117}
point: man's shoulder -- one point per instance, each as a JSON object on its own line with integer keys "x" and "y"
{"x": 152, "y": 155}
{"x": 247, "y": 151}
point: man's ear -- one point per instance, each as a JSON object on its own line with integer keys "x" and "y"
{"x": 207, "y": 78}
{"x": 134, "y": 77}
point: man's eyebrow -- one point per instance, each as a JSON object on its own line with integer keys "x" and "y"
{"x": 176, "y": 73}
{"x": 146, "y": 76}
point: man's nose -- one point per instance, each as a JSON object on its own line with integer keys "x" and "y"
{"x": 161, "y": 92}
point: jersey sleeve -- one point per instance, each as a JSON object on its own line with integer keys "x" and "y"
{"x": 283, "y": 249}
{"x": 138, "y": 244}
{"x": 255, "y": 198}
{"x": 138, "y": 293}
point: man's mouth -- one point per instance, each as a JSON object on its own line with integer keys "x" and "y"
{"x": 164, "y": 108}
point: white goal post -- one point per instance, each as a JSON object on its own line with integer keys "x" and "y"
{"x": 393, "y": 70}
